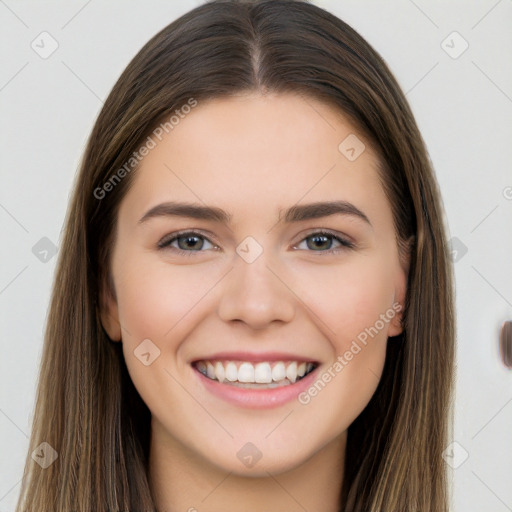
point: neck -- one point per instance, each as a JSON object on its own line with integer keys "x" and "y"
{"x": 181, "y": 480}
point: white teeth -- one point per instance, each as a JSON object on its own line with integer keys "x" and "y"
{"x": 278, "y": 372}
{"x": 210, "y": 370}
{"x": 219, "y": 372}
{"x": 291, "y": 372}
{"x": 245, "y": 372}
{"x": 231, "y": 372}
{"x": 259, "y": 373}
{"x": 263, "y": 373}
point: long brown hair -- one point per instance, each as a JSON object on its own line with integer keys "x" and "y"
{"x": 88, "y": 409}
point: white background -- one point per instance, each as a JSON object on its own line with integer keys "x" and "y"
{"x": 463, "y": 107}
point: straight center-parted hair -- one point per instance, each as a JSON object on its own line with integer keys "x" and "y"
{"x": 88, "y": 409}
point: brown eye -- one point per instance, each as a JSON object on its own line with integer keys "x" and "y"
{"x": 322, "y": 242}
{"x": 187, "y": 242}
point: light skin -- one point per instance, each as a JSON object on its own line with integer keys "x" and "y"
{"x": 253, "y": 155}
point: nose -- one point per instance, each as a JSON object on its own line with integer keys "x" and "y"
{"x": 256, "y": 294}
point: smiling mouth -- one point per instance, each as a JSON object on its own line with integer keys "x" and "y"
{"x": 261, "y": 375}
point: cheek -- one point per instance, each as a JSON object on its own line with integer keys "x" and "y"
{"x": 348, "y": 299}
{"x": 159, "y": 303}
{"x": 154, "y": 301}
{"x": 355, "y": 308}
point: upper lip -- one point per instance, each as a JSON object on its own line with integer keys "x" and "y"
{"x": 254, "y": 357}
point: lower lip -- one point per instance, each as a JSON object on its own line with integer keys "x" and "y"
{"x": 257, "y": 398}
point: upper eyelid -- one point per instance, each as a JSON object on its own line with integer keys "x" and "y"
{"x": 336, "y": 236}
{"x": 173, "y": 236}
{"x": 166, "y": 240}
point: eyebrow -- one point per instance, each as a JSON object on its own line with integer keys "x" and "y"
{"x": 296, "y": 213}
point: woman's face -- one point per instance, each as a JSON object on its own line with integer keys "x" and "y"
{"x": 254, "y": 290}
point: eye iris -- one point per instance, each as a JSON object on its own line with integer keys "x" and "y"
{"x": 323, "y": 239}
{"x": 315, "y": 242}
{"x": 189, "y": 238}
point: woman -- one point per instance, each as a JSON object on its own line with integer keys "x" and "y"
{"x": 201, "y": 353}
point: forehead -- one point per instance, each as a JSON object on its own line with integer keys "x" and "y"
{"x": 252, "y": 150}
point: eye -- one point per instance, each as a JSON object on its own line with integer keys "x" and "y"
{"x": 188, "y": 242}
{"x": 321, "y": 240}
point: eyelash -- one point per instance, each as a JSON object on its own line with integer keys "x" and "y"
{"x": 165, "y": 243}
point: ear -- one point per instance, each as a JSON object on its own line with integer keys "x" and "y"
{"x": 404, "y": 251}
{"x": 109, "y": 313}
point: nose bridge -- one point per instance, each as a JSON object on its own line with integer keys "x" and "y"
{"x": 253, "y": 293}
